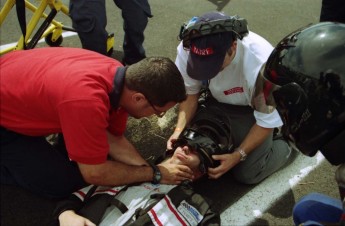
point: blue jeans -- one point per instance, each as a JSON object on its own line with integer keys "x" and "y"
{"x": 315, "y": 207}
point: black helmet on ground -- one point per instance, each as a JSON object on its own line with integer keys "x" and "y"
{"x": 304, "y": 78}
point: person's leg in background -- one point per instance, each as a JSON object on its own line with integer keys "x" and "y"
{"x": 135, "y": 15}
{"x": 89, "y": 20}
{"x": 333, "y": 10}
{"x": 266, "y": 159}
{"x": 316, "y": 207}
{"x": 36, "y": 165}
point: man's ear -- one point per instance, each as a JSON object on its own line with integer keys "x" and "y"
{"x": 138, "y": 98}
{"x": 233, "y": 47}
{"x": 234, "y": 44}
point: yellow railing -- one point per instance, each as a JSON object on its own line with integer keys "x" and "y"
{"x": 50, "y": 29}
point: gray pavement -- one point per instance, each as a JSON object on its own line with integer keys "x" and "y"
{"x": 270, "y": 202}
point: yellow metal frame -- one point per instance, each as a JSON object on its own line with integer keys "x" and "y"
{"x": 38, "y": 13}
{"x": 55, "y": 28}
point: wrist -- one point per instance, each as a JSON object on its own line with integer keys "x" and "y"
{"x": 157, "y": 175}
{"x": 242, "y": 154}
{"x": 178, "y": 129}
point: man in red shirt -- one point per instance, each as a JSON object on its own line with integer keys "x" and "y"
{"x": 85, "y": 97}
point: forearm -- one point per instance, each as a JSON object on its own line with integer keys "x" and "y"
{"x": 187, "y": 110}
{"x": 256, "y": 136}
{"x": 114, "y": 173}
{"x": 123, "y": 151}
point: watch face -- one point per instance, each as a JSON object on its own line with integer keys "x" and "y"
{"x": 243, "y": 155}
{"x": 157, "y": 177}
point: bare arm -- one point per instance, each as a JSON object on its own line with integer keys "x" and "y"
{"x": 123, "y": 151}
{"x": 129, "y": 167}
{"x": 187, "y": 110}
{"x": 114, "y": 173}
{"x": 254, "y": 138}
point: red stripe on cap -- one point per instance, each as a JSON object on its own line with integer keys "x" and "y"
{"x": 202, "y": 52}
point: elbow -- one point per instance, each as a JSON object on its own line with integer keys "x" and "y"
{"x": 94, "y": 178}
{"x": 93, "y": 174}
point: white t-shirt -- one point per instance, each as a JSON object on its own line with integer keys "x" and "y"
{"x": 235, "y": 84}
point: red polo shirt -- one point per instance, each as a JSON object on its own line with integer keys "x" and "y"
{"x": 53, "y": 90}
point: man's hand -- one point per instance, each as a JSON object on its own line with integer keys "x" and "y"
{"x": 172, "y": 139}
{"x": 186, "y": 112}
{"x": 70, "y": 218}
{"x": 175, "y": 174}
{"x": 227, "y": 161}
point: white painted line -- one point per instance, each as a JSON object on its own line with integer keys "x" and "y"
{"x": 64, "y": 34}
{"x": 256, "y": 202}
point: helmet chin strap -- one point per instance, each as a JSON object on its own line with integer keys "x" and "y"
{"x": 202, "y": 167}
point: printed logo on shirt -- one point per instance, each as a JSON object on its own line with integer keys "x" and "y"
{"x": 151, "y": 187}
{"x": 234, "y": 90}
{"x": 190, "y": 213}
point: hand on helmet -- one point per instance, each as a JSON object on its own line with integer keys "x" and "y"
{"x": 227, "y": 161}
{"x": 172, "y": 138}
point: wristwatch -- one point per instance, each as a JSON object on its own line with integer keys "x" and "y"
{"x": 157, "y": 176}
{"x": 242, "y": 153}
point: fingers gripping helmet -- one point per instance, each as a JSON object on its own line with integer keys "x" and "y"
{"x": 209, "y": 134}
{"x": 307, "y": 69}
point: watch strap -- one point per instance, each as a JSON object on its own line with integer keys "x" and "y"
{"x": 242, "y": 153}
{"x": 157, "y": 176}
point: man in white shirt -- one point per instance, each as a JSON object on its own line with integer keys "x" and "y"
{"x": 215, "y": 51}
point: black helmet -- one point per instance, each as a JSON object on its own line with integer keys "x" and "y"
{"x": 209, "y": 134}
{"x": 307, "y": 69}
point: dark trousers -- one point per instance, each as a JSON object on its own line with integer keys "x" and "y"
{"x": 34, "y": 164}
{"x": 333, "y": 10}
{"x": 90, "y": 20}
{"x": 264, "y": 160}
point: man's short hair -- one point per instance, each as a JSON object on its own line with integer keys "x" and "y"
{"x": 158, "y": 79}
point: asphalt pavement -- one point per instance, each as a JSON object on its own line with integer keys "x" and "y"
{"x": 270, "y": 202}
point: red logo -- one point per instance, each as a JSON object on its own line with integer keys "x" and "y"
{"x": 202, "y": 52}
{"x": 234, "y": 90}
